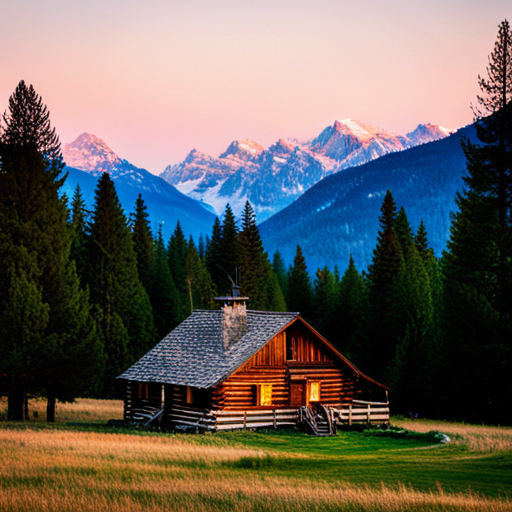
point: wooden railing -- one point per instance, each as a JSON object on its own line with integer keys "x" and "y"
{"x": 186, "y": 417}
{"x": 360, "y": 411}
{"x": 322, "y": 421}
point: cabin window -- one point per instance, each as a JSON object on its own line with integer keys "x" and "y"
{"x": 314, "y": 391}
{"x": 264, "y": 394}
{"x": 290, "y": 348}
{"x": 189, "y": 396}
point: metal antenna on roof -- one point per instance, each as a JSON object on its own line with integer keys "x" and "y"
{"x": 235, "y": 285}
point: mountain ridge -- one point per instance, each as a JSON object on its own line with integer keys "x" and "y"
{"x": 88, "y": 156}
{"x": 273, "y": 178}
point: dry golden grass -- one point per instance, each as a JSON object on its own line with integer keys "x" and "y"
{"x": 58, "y": 471}
{"x": 83, "y": 409}
{"x": 478, "y": 438}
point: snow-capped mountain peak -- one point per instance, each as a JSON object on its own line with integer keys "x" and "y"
{"x": 90, "y": 153}
{"x": 243, "y": 150}
{"x": 427, "y": 133}
{"x": 273, "y": 178}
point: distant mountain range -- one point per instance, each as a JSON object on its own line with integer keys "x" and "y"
{"x": 339, "y": 215}
{"x": 272, "y": 179}
{"x": 88, "y": 157}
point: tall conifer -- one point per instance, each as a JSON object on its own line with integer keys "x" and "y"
{"x": 126, "y": 320}
{"x": 142, "y": 240}
{"x": 163, "y": 294}
{"x": 34, "y": 255}
{"x": 300, "y": 291}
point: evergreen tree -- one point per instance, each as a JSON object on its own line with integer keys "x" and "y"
{"x": 422, "y": 245}
{"x": 252, "y": 260}
{"x": 477, "y": 269}
{"x": 382, "y": 282}
{"x": 409, "y": 371}
{"x": 201, "y": 246}
{"x": 325, "y": 317}
{"x": 163, "y": 294}
{"x": 213, "y": 260}
{"x": 177, "y": 255}
{"x": 403, "y": 230}
{"x": 79, "y": 242}
{"x": 280, "y": 271}
{"x": 229, "y": 250}
{"x": 200, "y": 286}
{"x": 35, "y": 244}
{"x": 142, "y": 240}
{"x": 353, "y": 311}
{"x": 126, "y": 320}
{"x": 300, "y": 292}
{"x": 258, "y": 280}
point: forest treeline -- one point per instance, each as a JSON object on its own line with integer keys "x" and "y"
{"x": 85, "y": 293}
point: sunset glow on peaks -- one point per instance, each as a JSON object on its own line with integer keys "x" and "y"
{"x": 156, "y": 80}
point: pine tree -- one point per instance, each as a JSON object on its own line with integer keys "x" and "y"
{"x": 35, "y": 246}
{"x": 325, "y": 317}
{"x": 79, "y": 217}
{"x": 201, "y": 246}
{"x": 163, "y": 294}
{"x": 477, "y": 291}
{"x": 382, "y": 283}
{"x": 252, "y": 260}
{"x": 259, "y": 282}
{"x": 213, "y": 258}
{"x": 177, "y": 256}
{"x": 126, "y": 320}
{"x": 408, "y": 372}
{"x": 201, "y": 290}
{"x": 353, "y": 310}
{"x": 142, "y": 240}
{"x": 229, "y": 249}
{"x": 403, "y": 230}
{"x": 422, "y": 245}
{"x": 280, "y": 271}
{"x": 300, "y": 292}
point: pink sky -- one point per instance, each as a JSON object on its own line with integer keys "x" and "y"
{"x": 157, "y": 79}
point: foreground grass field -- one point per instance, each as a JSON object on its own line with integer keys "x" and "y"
{"x": 80, "y": 464}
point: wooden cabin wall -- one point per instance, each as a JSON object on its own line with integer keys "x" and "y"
{"x": 141, "y": 397}
{"x": 311, "y": 362}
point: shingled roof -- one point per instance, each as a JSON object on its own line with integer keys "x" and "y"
{"x": 193, "y": 354}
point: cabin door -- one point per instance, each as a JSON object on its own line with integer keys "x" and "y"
{"x": 297, "y": 393}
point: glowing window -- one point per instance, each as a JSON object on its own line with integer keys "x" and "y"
{"x": 265, "y": 394}
{"x": 190, "y": 396}
{"x": 314, "y": 391}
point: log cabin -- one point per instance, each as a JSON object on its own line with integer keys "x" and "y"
{"x": 235, "y": 368}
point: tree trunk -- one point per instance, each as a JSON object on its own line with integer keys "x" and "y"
{"x": 50, "y": 408}
{"x": 16, "y": 401}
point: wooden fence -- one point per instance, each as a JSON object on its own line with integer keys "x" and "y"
{"x": 361, "y": 412}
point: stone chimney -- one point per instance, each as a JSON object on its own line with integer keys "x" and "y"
{"x": 234, "y": 323}
{"x": 234, "y": 314}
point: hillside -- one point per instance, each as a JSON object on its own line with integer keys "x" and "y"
{"x": 88, "y": 156}
{"x": 273, "y": 178}
{"x": 339, "y": 215}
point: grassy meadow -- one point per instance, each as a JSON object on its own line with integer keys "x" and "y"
{"x": 81, "y": 464}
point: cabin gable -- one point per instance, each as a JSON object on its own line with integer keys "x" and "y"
{"x": 295, "y": 367}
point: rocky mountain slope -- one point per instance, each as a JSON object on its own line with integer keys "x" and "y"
{"x": 88, "y": 156}
{"x": 273, "y": 178}
{"x": 339, "y": 215}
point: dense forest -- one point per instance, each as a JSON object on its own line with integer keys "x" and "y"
{"x": 85, "y": 293}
